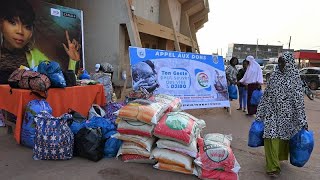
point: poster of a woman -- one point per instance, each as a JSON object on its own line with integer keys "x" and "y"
{"x": 33, "y": 31}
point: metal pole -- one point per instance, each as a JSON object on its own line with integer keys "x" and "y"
{"x": 289, "y": 42}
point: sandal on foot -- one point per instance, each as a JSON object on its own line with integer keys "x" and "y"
{"x": 274, "y": 174}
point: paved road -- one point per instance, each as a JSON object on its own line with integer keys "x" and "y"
{"x": 16, "y": 161}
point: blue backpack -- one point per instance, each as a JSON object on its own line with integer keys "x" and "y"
{"x": 33, "y": 108}
{"x": 256, "y": 97}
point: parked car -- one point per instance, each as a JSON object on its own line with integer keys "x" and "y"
{"x": 267, "y": 71}
{"x": 311, "y": 75}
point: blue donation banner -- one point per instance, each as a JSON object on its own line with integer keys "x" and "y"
{"x": 198, "y": 80}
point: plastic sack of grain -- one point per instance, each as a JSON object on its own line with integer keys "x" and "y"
{"x": 143, "y": 110}
{"x": 217, "y": 174}
{"x": 221, "y": 138}
{"x": 134, "y": 158}
{"x": 173, "y": 102}
{"x": 135, "y": 128}
{"x": 133, "y": 148}
{"x": 179, "y": 126}
{"x": 190, "y": 149}
{"x": 170, "y": 157}
{"x": 214, "y": 155}
{"x": 172, "y": 168}
{"x": 145, "y": 142}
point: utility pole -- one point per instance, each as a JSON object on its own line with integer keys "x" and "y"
{"x": 289, "y": 42}
{"x": 257, "y": 50}
{"x": 221, "y": 51}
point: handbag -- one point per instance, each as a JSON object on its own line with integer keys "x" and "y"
{"x": 35, "y": 81}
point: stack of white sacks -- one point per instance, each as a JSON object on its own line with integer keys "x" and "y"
{"x": 136, "y": 122}
{"x": 156, "y": 131}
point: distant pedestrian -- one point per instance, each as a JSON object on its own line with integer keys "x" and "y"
{"x": 282, "y": 111}
{"x": 231, "y": 71}
{"x": 243, "y": 92}
{"x": 253, "y": 79}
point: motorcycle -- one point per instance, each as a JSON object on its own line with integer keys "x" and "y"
{"x": 307, "y": 90}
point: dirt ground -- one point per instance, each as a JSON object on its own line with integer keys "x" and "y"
{"x": 16, "y": 161}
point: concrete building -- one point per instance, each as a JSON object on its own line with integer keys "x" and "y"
{"x": 262, "y": 52}
{"x": 111, "y": 26}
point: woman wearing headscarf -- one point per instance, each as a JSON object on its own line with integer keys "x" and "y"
{"x": 253, "y": 79}
{"x": 282, "y": 111}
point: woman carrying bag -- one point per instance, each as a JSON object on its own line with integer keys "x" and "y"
{"x": 253, "y": 79}
{"x": 282, "y": 111}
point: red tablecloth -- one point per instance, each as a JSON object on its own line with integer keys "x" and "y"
{"x": 79, "y": 98}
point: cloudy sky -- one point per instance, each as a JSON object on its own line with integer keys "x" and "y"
{"x": 271, "y": 22}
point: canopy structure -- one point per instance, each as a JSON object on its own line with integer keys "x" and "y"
{"x": 305, "y": 59}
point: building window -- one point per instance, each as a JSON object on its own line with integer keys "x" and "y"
{"x": 248, "y": 49}
{"x": 238, "y": 48}
{"x": 269, "y": 50}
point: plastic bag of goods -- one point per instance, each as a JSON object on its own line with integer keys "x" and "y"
{"x": 145, "y": 142}
{"x": 172, "y": 168}
{"x": 143, "y": 110}
{"x": 173, "y": 158}
{"x": 97, "y": 111}
{"x": 111, "y": 108}
{"x": 133, "y": 149}
{"x": 53, "y": 139}
{"x": 105, "y": 124}
{"x": 301, "y": 146}
{"x": 190, "y": 150}
{"x": 215, "y": 155}
{"x": 179, "y": 126}
{"x": 135, "y": 128}
{"x": 255, "y": 138}
{"x": 89, "y": 144}
{"x": 133, "y": 158}
{"x": 112, "y": 145}
{"x": 77, "y": 122}
{"x": 174, "y": 103}
{"x": 28, "y": 129}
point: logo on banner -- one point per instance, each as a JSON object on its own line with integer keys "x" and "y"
{"x": 203, "y": 79}
{"x": 215, "y": 59}
{"x": 55, "y": 12}
{"x": 141, "y": 52}
{"x": 70, "y": 15}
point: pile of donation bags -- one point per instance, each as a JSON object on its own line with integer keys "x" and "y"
{"x": 156, "y": 131}
{"x": 151, "y": 130}
{"x": 47, "y": 74}
{"x": 61, "y": 138}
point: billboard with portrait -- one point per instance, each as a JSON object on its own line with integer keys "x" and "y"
{"x": 198, "y": 79}
{"x": 56, "y": 33}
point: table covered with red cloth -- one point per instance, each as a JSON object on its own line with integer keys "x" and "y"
{"x": 78, "y": 98}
